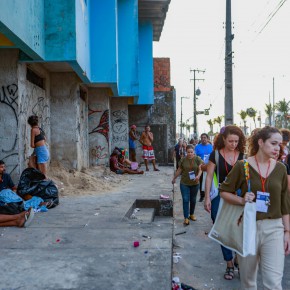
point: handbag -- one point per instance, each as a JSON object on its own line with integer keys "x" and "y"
{"x": 235, "y": 225}
{"x": 214, "y": 189}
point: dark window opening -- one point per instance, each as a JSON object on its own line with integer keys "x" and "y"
{"x": 32, "y": 77}
{"x": 83, "y": 94}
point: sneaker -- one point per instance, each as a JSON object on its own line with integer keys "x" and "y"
{"x": 192, "y": 217}
{"x": 186, "y": 222}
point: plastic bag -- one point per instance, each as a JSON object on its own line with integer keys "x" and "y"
{"x": 32, "y": 183}
{"x": 10, "y": 202}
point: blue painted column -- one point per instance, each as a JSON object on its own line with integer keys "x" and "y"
{"x": 103, "y": 41}
{"x": 146, "y": 82}
{"x": 127, "y": 72}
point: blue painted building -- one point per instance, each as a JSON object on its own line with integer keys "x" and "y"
{"x": 86, "y": 58}
{"x": 104, "y": 42}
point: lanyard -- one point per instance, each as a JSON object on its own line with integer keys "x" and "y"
{"x": 263, "y": 180}
{"x": 232, "y": 163}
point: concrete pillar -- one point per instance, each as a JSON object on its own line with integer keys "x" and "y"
{"x": 99, "y": 125}
{"x": 69, "y": 131}
{"x": 20, "y": 98}
{"x": 119, "y": 122}
{"x": 9, "y": 136}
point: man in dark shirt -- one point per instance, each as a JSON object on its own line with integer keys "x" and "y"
{"x": 5, "y": 179}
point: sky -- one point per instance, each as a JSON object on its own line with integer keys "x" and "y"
{"x": 193, "y": 38}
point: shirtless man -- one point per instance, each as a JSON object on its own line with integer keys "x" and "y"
{"x": 146, "y": 140}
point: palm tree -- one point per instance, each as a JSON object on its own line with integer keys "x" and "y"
{"x": 252, "y": 113}
{"x": 182, "y": 125}
{"x": 268, "y": 111}
{"x": 210, "y": 123}
{"x": 218, "y": 120}
{"x": 243, "y": 114}
{"x": 283, "y": 107}
{"x": 188, "y": 126}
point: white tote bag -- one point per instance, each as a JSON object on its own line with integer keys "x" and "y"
{"x": 235, "y": 227}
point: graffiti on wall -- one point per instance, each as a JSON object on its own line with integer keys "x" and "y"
{"x": 161, "y": 81}
{"x": 14, "y": 112}
{"x": 9, "y": 126}
{"x": 120, "y": 126}
{"x": 103, "y": 126}
{"x": 98, "y": 153}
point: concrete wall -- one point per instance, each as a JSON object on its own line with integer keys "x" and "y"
{"x": 60, "y": 30}
{"x": 161, "y": 118}
{"x": 68, "y": 128}
{"x": 18, "y": 100}
{"x": 33, "y": 100}
{"x": 99, "y": 124}
{"x": 23, "y": 23}
{"x": 9, "y": 110}
{"x": 119, "y": 122}
{"x": 162, "y": 74}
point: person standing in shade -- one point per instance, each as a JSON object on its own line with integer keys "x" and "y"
{"x": 178, "y": 151}
{"x": 189, "y": 169}
{"x": 268, "y": 189}
{"x": 132, "y": 146}
{"x": 203, "y": 150}
{"x": 230, "y": 145}
{"x": 146, "y": 140}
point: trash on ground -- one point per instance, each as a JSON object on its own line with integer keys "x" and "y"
{"x": 162, "y": 196}
{"x": 136, "y": 244}
{"x": 180, "y": 233}
{"x": 176, "y": 285}
{"x": 147, "y": 237}
{"x": 176, "y": 258}
{"x": 133, "y": 215}
{"x": 186, "y": 287}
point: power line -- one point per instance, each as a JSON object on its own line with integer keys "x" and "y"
{"x": 272, "y": 14}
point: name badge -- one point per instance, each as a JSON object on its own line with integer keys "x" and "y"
{"x": 206, "y": 159}
{"x": 262, "y": 201}
{"x": 191, "y": 175}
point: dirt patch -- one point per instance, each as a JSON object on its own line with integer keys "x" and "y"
{"x": 95, "y": 180}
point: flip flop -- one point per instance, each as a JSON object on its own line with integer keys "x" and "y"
{"x": 50, "y": 204}
{"x": 28, "y": 217}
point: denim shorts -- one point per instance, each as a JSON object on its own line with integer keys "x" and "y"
{"x": 118, "y": 171}
{"x": 42, "y": 154}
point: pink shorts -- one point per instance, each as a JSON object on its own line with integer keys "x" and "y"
{"x": 148, "y": 152}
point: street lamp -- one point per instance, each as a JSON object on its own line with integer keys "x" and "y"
{"x": 181, "y": 116}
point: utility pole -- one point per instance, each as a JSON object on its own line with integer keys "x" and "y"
{"x": 194, "y": 98}
{"x": 229, "y": 119}
{"x": 181, "y": 116}
{"x": 274, "y": 121}
{"x": 270, "y": 115}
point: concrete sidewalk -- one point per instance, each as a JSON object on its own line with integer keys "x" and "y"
{"x": 87, "y": 242}
{"x": 202, "y": 265}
